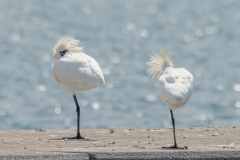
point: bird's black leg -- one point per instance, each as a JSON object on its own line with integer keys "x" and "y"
{"x": 78, "y": 121}
{"x": 173, "y": 123}
{"x": 78, "y": 118}
{"x": 175, "y": 143}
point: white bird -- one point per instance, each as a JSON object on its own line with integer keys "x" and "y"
{"x": 175, "y": 84}
{"x": 75, "y": 70}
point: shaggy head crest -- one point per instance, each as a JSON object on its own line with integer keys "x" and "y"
{"x": 158, "y": 63}
{"x": 66, "y": 43}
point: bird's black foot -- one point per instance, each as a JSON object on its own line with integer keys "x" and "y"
{"x": 176, "y": 147}
{"x": 77, "y": 137}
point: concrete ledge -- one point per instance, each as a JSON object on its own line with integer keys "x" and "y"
{"x": 80, "y": 156}
{"x": 233, "y": 155}
{"x": 203, "y": 143}
{"x": 226, "y": 155}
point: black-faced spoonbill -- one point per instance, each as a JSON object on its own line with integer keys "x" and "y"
{"x": 75, "y": 70}
{"x": 175, "y": 84}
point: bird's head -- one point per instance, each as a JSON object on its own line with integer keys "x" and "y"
{"x": 65, "y": 44}
{"x": 158, "y": 63}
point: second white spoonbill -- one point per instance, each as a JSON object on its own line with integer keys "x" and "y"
{"x": 175, "y": 84}
{"x": 75, "y": 70}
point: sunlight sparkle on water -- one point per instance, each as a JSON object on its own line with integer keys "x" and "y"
{"x": 15, "y": 37}
{"x": 144, "y": 33}
{"x": 109, "y": 85}
{"x": 189, "y": 23}
{"x": 173, "y": 20}
{"x": 131, "y": 26}
{"x": 214, "y": 17}
{"x": 150, "y": 98}
{"x": 237, "y": 87}
{"x": 67, "y": 122}
{"x": 187, "y": 38}
{"x": 115, "y": 60}
{"x": 139, "y": 114}
{"x": 45, "y": 73}
{"x": 199, "y": 33}
{"x": 167, "y": 124}
{"x": 224, "y": 103}
{"x": 153, "y": 9}
{"x": 27, "y": 7}
{"x": 145, "y": 79}
{"x": 138, "y": 64}
{"x": 191, "y": 60}
{"x": 23, "y": 124}
{"x": 197, "y": 73}
{"x": 84, "y": 103}
{"x": 95, "y": 106}
{"x": 211, "y": 30}
{"x": 57, "y": 110}
{"x": 204, "y": 118}
{"x": 87, "y": 10}
{"x": 237, "y": 104}
{"x": 106, "y": 71}
{"x": 46, "y": 58}
{"x": 40, "y": 88}
{"x": 220, "y": 87}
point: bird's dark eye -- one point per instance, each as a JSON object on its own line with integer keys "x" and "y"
{"x": 63, "y": 52}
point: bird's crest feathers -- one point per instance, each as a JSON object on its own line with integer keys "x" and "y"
{"x": 66, "y": 43}
{"x": 158, "y": 63}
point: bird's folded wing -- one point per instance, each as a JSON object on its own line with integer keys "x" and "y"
{"x": 75, "y": 69}
{"x": 97, "y": 72}
{"x": 176, "y": 86}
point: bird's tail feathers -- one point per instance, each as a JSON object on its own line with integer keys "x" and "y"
{"x": 158, "y": 63}
{"x": 67, "y": 43}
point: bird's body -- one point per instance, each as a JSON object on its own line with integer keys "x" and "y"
{"x": 175, "y": 84}
{"x": 75, "y": 70}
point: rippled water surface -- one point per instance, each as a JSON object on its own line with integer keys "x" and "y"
{"x": 204, "y": 35}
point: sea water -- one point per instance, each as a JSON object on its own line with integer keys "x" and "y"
{"x": 203, "y": 35}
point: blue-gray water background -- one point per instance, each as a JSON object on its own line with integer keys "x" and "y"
{"x": 204, "y": 35}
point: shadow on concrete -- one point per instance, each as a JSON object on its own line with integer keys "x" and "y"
{"x": 60, "y": 139}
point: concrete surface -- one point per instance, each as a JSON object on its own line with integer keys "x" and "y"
{"x": 203, "y": 143}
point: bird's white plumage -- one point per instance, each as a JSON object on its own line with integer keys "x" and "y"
{"x": 175, "y": 84}
{"x": 77, "y": 71}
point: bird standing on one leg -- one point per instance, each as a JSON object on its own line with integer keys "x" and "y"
{"x": 175, "y": 84}
{"x": 75, "y": 70}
